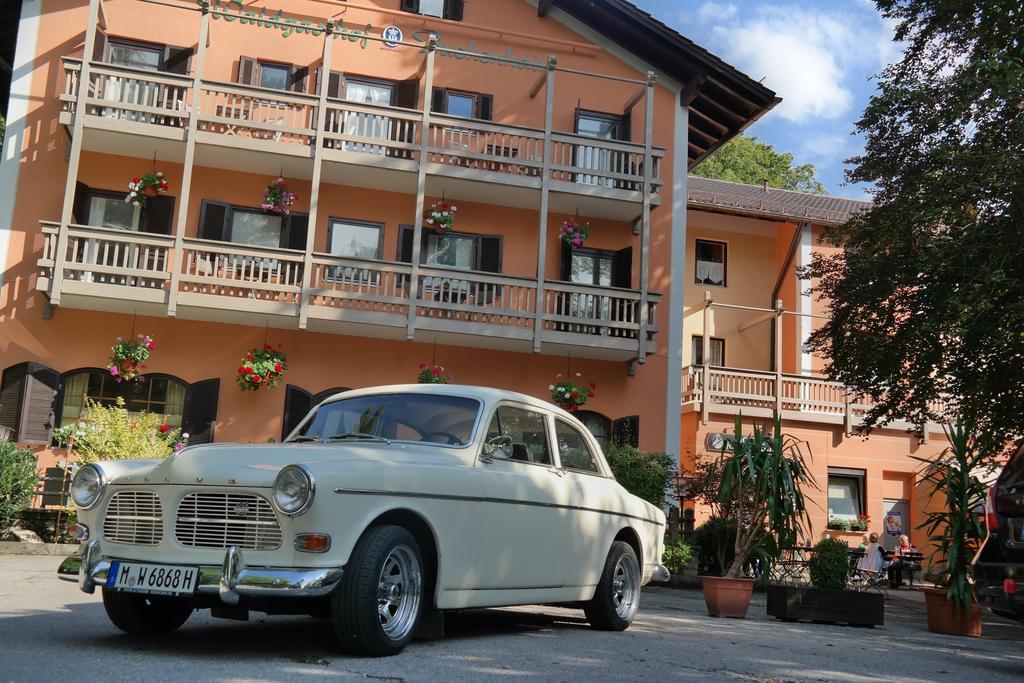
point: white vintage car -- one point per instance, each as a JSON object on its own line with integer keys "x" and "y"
{"x": 384, "y": 508}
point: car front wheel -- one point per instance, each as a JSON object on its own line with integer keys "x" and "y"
{"x": 617, "y": 597}
{"x": 145, "y": 614}
{"x": 376, "y": 608}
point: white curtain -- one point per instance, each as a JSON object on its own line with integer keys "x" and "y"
{"x": 366, "y": 125}
{"x": 74, "y": 398}
{"x": 174, "y": 408}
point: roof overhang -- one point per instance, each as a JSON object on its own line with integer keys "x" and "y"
{"x": 722, "y": 100}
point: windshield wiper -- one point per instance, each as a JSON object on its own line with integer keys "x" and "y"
{"x": 362, "y": 436}
{"x": 303, "y": 438}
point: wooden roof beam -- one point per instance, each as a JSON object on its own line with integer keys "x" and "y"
{"x": 704, "y": 117}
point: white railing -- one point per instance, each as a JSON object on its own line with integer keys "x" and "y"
{"x": 360, "y": 285}
{"x": 108, "y": 256}
{"x": 241, "y": 271}
{"x": 372, "y": 129}
{"x": 486, "y": 146}
{"x": 136, "y": 95}
{"x": 606, "y": 163}
{"x": 582, "y": 309}
{"x": 475, "y": 297}
{"x": 257, "y": 113}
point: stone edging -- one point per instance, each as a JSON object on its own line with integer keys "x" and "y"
{"x": 17, "y": 548}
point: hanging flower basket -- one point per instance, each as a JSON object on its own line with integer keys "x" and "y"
{"x": 571, "y": 396}
{"x": 574, "y": 233}
{"x": 433, "y": 374}
{"x": 277, "y": 198}
{"x": 149, "y": 185}
{"x": 261, "y": 367}
{"x": 128, "y": 357}
{"x": 441, "y": 216}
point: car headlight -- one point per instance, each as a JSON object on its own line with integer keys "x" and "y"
{"x": 293, "y": 490}
{"x": 87, "y": 486}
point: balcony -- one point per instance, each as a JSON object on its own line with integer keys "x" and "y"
{"x": 136, "y": 113}
{"x": 728, "y": 391}
{"x": 116, "y": 270}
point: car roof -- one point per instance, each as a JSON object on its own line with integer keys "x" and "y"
{"x": 487, "y": 395}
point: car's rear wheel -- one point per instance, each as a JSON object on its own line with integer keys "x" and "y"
{"x": 145, "y": 614}
{"x": 617, "y": 597}
{"x": 376, "y": 608}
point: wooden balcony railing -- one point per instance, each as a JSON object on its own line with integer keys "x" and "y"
{"x": 252, "y": 117}
{"x": 127, "y": 265}
{"x": 761, "y": 394}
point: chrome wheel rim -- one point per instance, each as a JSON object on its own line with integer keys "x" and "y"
{"x": 625, "y": 587}
{"x": 398, "y": 592}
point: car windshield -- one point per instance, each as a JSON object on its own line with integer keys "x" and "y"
{"x": 425, "y": 418}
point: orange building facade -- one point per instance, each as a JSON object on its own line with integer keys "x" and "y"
{"x": 521, "y": 116}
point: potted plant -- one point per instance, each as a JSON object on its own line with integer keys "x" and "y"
{"x": 149, "y": 185}
{"x": 569, "y": 395}
{"x": 762, "y": 481}
{"x": 954, "y": 530}
{"x": 277, "y": 198}
{"x": 828, "y": 600}
{"x": 574, "y": 233}
{"x": 128, "y": 357}
{"x": 432, "y": 374}
{"x": 441, "y": 216}
{"x": 262, "y": 368}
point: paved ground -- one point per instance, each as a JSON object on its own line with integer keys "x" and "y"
{"x": 49, "y": 630}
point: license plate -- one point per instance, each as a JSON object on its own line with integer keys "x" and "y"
{"x": 152, "y": 578}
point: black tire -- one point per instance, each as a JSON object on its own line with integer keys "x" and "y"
{"x": 145, "y": 614}
{"x": 355, "y": 604}
{"x": 607, "y": 611}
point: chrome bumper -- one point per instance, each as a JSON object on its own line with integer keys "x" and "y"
{"x": 660, "y": 573}
{"x": 230, "y": 581}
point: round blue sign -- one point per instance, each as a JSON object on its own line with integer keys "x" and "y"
{"x": 392, "y": 36}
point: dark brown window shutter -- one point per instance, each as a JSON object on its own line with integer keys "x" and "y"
{"x": 80, "y": 207}
{"x": 336, "y": 85}
{"x": 12, "y": 387}
{"x": 405, "y": 233}
{"x": 489, "y": 255}
{"x": 41, "y": 386}
{"x": 410, "y": 6}
{"x": 626, "y": 129}
{"x": 297, "y": 404}
{"x": 201, "y": 411}
{"x": 296, "y": 229}
{"x": 297, "y": 77}
{"x": 437, "y": 100}
{"x": 213, "y": 220}
{"x": 407, "y": 93}
{"x": 248, "y": 71}
{"x": 565, "y": 265}
{"x": 626, "y": 430}
{"x": 453, "y": 9}
{"x": 177, "y": 60}
{"x": 99, "y": 49}
{"x": 622, "y": 268}
{"x": 485, "y": 107}
{"x": 158, "y": 215}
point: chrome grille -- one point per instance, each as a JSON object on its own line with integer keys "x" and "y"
{"x": 219, "y": 520}
{"x": 134, "y": 517}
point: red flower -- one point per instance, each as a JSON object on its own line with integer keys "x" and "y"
{"x": 248, "y": 356}
{"x": 256, "y": 379}
{"x": 423, "y": 366}
{"x": 268, "y": 347}
{"x": 435, "y": 372}
{"x": 136, "y": 180}
{"x": 277, "y": 367}
{"x": 590, "y": 394}
{"x": 593, "y": 386}
{"x": 241, "y": 370}
{"x": 151, "y": 346}
{"x": 165, "y": 428}
{"x": 575, "y": 394}
{"x": 248, "y": 370}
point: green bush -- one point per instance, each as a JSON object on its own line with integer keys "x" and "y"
{"x": 114, "y": 433}
{"x": 715, "y": 541}
{"x": 19, "y": 478}
{"x": 829, "y": 565}
{"x": 647, "y": 475}
{"x": 678, "y": 554}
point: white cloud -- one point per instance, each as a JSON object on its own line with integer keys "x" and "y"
{"x": 716, "y": 12}
{"x": 828, "y": 148}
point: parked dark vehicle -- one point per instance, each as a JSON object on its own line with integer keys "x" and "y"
{"x": 999, "y": 565}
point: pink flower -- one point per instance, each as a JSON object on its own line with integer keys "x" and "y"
{"x": 114, "y": 371}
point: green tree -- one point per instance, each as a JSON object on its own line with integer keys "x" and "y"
{"x": 745, "y": 159}
{"x": 927, "y": 296}
{"x": 18, "y": 481}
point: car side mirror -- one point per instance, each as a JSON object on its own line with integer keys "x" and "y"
{"x": 500, "y": 446}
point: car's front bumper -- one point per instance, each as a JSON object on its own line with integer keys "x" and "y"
{"x": 230, "y": 580}
{"x": 660, "y": 573}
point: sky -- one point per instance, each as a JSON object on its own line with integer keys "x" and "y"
{"x": 819, "y": 56}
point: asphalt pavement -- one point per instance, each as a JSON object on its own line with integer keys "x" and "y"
{"x": 49, "y": 630}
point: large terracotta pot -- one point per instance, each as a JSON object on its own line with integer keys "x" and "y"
{"x": 727, "y": 597}
{"x": 943, "y": 617}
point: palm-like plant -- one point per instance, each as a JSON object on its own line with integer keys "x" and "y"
{"x": 955, "y": 530}
{"x": 763, "y": 477}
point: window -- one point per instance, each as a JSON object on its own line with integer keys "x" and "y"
{"x": 245, "y": 225}
{"x": 469, "y": 105}
{"x": 528, "y": 431}
{"x": 108, "y": 211}
{"x": 597, "y": 424}
{"x": 573, "y": 450}
{"x": 444, "y": 9}
{"x": 845, "y": 493}
{"x": 600, "y": 126}
{"x": 591, "y": 267}
{"x": 717, "y": 358}
{"x": 354, "y": 239}
{"x": 160, "y": 395}
{"x": 454, "y": 251}
{"x": 274, "y": 76}
{"x": 136, "y": 56}
{"x": 249, "y": 226}
{"x": 710, "y": 266}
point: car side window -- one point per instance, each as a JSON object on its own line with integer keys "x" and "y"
{"x": 528, "y": 431}
{"x": 574, "y": 449}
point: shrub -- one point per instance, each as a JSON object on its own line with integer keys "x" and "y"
{"x": 715, "y": 541}
{"x": 829, "y": 565}
{"x": 648, "y": 475}
{"x": 18, "y": 481}
{"x": 678, "y": 554}
{"x": 839, "y": 524}
{"x": 113, "y": 433}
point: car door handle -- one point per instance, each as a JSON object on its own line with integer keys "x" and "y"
{"x": 557, "y": 470}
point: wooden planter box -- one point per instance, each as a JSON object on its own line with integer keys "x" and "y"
{"x": 795, "y": 603}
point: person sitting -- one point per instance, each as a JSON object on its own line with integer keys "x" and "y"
{"x": 900, "y": 563}
{"x": 873, "y": 557}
